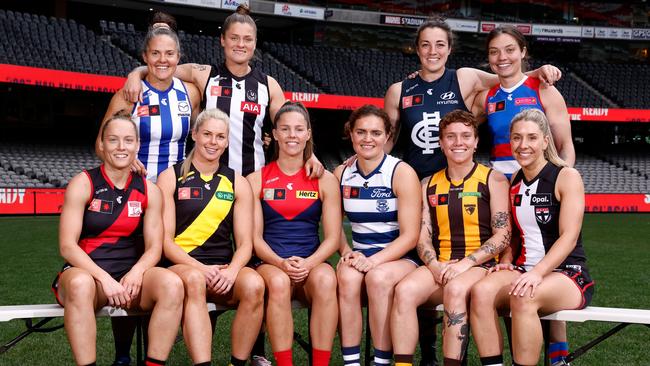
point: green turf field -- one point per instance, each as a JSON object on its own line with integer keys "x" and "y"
{"x": 615, "y": 244}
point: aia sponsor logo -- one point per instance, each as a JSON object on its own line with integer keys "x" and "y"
{"x": 250, "y": 107}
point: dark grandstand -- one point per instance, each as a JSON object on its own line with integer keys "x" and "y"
{"x": 305, "y": 56}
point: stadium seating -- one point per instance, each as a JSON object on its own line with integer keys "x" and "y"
{"x": 42, "y": 166}
{"x": 627, "y": 85}
{"x": 55, "y": 43}
{"x": 603, "y": 176}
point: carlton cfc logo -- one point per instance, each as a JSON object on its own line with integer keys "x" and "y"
{"x": 425, "y": 133}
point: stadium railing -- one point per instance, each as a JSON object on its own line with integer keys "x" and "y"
{"x": 47, "y": 312}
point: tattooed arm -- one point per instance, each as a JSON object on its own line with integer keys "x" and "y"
{"x": 425, "y": 240}
{"x": 500, "y": 222}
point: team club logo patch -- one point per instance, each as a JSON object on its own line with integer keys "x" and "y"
{"x": 470, "y": 208}
{"x": 272, "y": 194}
{"x": 443, "y": 199}
{"x": 101, "y": 206}
{"x": 134, "y": 208}
{"x": 221, "y": 91}
{"x": 542, "y": 215}
{"x": 148, "y": 110}
{"x": 250, "y": 107}
{"x": 425, "y": 133}
{"x": 382, "y": 205}
{"x": 309, "y": 195}
{"x": 412, "y": 100}
{"x": 526, "y": 101}
{"x": 350, "y": 192}
{"x": 496, "y": 106}
{"x": 190, "y": 193}
{"x": 433, "y": 200}
{"x": 225, "y": 196}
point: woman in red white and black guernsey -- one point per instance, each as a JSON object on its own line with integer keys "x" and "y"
{"x": 549, "y": 271}
{"x": 110, "y": 235}
{"x": 245, "y": 93}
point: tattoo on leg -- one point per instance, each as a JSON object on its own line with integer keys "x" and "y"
{"x": 464, "y": 339}
{"x": 454, "y": 318}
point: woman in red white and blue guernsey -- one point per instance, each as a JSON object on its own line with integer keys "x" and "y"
{"x": 287, "y": 216}
{"x": 110, "y": 236}
{"x": 549, "y": 271}
{"x": 507, "y": 53}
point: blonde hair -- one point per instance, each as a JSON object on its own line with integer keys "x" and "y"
{"x": 204, "y": 116}
{"x": 539, "y": 118}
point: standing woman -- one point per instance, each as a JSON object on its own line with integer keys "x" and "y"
{"x": 202, "y": 198}
{"x": 507, "y": 55}
{"x": 246, "y": 94}
{"x": 385, "y": 220}
{"x": 163, "y": 116}
{"x": 549, "y": 271}
{"x": 288, "y": 212}
{"x": 111, "y": 238}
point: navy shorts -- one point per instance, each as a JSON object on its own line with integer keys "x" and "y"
{"x": 411, "y": 256}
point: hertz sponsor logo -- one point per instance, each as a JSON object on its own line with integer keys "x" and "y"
{"x": 310, "y": 195}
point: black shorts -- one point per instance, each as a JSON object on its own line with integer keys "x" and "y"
{"x": 55, "y": 283}
{"x": 580, "y": 277}
{"x": 487, "y": 265}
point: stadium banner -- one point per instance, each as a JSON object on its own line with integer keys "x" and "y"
{"x": 459, "y": 25}
{"x": 60, "y": 79}
{"x": 613, "y": 33}
{"x": 31, "y": 201}
{"x": 557, "y": 30}
{"x": 525, "y": 28}
{"x": 587, "y": 32}
{"x": 617, "y": 202}
{"x": 231, "y": 4}
{"x": 203, "y": 3}
{"x": 641, "y": 33}
{"x": 299, "y": 11}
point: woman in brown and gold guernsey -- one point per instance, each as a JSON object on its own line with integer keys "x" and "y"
{"x": 205, "y": 203}
{"x": 110, "y": 235}
{"x": 465, "y": 224}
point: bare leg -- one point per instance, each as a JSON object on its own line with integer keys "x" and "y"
{"x": 320, "y": 292}
{"x": 196, "y": 320}
{"x": 380, "y": 285}
{"x": 456, "y": 319}
{"x": 350, "y": 315}
{"x": 162, "y": 294}
{"x": 80, "y": 295}
{"x": 487, "y": 296}
{"x": 249, "y": 292}
{"x": 279, "y": 320}
{"x": 556, "y": 292}
{"x": 417, "y": 288}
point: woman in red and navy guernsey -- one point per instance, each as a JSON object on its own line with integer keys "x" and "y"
{"x": 110, "y": 235}
{"x": 207, "y": 203}
{"x": 287, "y": 216}
{"x": 549, "y": 271}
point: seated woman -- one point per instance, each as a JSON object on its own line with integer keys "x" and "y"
{"x": 549, "y": 273}
{"x": 465, "y": 223}
{"x": 382, "y": 201}
{"x": 110, "y": 235}
{"x": 287, "y": 216}
{"x": 205, "y": 203}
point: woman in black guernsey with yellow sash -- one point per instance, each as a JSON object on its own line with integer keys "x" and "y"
{"x": 465, "y": 223}
{"x": 201, "y": 199}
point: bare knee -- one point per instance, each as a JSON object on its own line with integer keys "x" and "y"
{"x": 455, "y": 293}
{"x": 348, "y": 283}
{"x": 172, "y": 291}
{"x": 403, "y": 299}
{"x": 325, "y": 284}
{"x": 194, "y": 283}
{"x": 379, "y": 282}
{"x": 253, "y": 290}
{"x": 483, "y": 296}
{"x": 523, "y": 304}
{"x": 80, "y": 288}
{"x": 279, "y": 288}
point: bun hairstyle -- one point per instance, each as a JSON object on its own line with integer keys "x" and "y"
{"x": 160, "y": 19}
{"x": 241, "y": 15}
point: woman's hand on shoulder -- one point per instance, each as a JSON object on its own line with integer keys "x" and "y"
{"x": 314, "y": 168}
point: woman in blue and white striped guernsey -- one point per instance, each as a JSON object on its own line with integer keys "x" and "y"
{"x": 381, "y": 201}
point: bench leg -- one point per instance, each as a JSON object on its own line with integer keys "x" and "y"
{"x": 38, "y": 328}
{"x": 582, "y": 350}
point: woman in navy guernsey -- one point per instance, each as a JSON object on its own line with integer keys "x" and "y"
{"x": 507, "y": 55}
{"x": 205, "y": 204}
{"x": 288, "y": 211}
{"x": 246, "y": 94}
{"x": 545, "y": 271}
{"x": 111, "y": 238}
{"x": 164, "y": 113}
{"x": 381, "y": 198}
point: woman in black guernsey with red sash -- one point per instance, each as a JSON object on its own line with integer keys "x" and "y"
{"x": 545, "y": 269}
{"x": 110, "y": 235}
